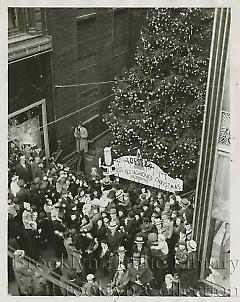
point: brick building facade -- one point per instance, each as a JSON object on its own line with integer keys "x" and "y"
{"x": 89, "y": 45}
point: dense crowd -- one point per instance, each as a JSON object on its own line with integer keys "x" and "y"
{"x": 138, "y": 238}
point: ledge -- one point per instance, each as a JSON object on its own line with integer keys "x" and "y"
{"x": 28, "y": 46}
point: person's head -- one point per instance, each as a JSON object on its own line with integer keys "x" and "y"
{"x": 85, "y": 219}
{"x": 22, "y": 159}
{"x": 27, "y": 206}
{"x": 178, "y": 220}
{"x": 99, "y": 223}
{"x": 19, "y": 254}
{"x": 145, "y": 208}
{"x": 137, "y": 217}
{"x": 139, "y": 241}
{"x": 164, "y": 217}
{"x": 136, "y": 259}
{"x": 113, "y": 227}
{"x": 34, "y": 215}
{"x": 93, "y": 170}
{"x": 80, "y": 123}
{"x": 37, "y": 158}
{"x": 182, "y": 245}
{"x": 104, "y": 214}
{"x": 105, "y": 220}
{"x": 64, "y": 194}
{"x": 188, "y": 226}
{"x": 121, "y": 251}
{"x": 113, "y": 213}
{"x": 90, "y": 278}
{"x": 120, "y": 213}
{"x": 68, "y": 182}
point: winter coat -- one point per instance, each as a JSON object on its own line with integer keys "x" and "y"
{"x": 189, "y": 276}
{"x": 24, "y": 276}
{"x": 143, "y": 274}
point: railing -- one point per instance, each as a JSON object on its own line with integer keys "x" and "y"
{"x": 67, "y": 287}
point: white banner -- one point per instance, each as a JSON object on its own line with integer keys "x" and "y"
{"x": 145, "y": 172}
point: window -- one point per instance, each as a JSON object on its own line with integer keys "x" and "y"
{"x": 24, "y": 21}
{"x": 12, "y": 19}
{"x": 86, "y": 37}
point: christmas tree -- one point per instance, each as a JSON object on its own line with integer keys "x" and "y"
{"x": 159, "y": 103}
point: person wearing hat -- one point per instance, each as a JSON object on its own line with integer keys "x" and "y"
{"x": 145, "y": 228}
{"x": 81, "y": 135}
{"x": 184, "y": 205}
{"x": 139, "y": 247}
{"x": 125, "y": 204}
{"x": 181, "y": 258}
{"x": 23, "y": 274}
{"x": 167, "y": 226}
{"x": 120, "y": 281}
{"x": 189, "y": 276}
{"x": 106, "y": 184}
{"x": 23, "y": 170}
{"x": 158, "y": 252}
{"x": 116, "y": 260}
{"x": 99, "y": 230}
{"x": 143, "y": 200}
{"x": 114, "y": 217}
{"x": 36, "y": 169}
{"x": 91, "y": 287}
{"x": 58, "y": 229}
{"x": 129, "y": 229}
{"x": 139, "y": 274}
{"x": 114, "y": 238}
{"x": 23, "y": 194}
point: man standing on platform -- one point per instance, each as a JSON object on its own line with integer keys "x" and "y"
{"x": 81, "y": 135}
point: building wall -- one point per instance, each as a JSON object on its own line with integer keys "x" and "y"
{"x": 29, "y": 68}
{"x": 89, "y": 45}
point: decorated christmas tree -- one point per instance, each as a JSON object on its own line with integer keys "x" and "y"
{"x": 159, "y": 102}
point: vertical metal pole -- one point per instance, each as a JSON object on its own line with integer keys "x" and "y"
{"x": 45, "y": 130}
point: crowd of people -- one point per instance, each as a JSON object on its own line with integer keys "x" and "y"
{"x": 138, "y": 238}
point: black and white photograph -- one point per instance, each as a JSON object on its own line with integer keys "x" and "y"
{"x": 119, "y": 157}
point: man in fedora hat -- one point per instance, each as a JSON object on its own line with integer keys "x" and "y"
{"x": 139, "y": 274}
{"x": 114, "y": 237}
{"x": 117, "y": 259}
{"x": 113, "y": 216}
{"x": 139, "y": 247}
